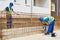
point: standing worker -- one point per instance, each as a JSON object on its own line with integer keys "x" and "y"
{"x": 9, "y": 11}
{"x": 50, "y": 21}
{"x": 9, "y": 15}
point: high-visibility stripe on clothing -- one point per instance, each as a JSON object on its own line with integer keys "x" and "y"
{"x": 50, "y": 18}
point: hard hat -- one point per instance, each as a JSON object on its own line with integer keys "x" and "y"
{"x": 11, "y": 4}
{"x": 41, "y": 19}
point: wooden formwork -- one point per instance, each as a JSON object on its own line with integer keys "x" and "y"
{"x": 32, "y": 23}
{"x": 21, "y": 22}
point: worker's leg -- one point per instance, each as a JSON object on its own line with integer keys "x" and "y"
{"x": 51, "y": 27}
{"x": 7, "y": 25}
{"x": 9, "y": 21}
{"x": 10, "y": 24}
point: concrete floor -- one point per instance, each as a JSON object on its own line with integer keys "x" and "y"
{"x": 38, "y": 37}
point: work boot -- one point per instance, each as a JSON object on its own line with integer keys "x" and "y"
{"x": 53, "y": 35}
{"x": 46, "y": 33}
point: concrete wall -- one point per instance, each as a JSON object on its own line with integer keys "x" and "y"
{"x": 42, "y": 3}
{"x": 27, "y": 9}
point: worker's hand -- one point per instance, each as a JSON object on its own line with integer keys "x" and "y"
{"x": 48, "y": 23}
{"x": 16, "y": 13}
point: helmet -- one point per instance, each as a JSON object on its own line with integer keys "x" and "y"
{"x": 47, "y": 19}
{"x": 41, "y": 19}
{"x": 11, "y": 4}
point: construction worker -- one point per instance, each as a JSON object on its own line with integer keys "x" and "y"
{"x": 50, "y": 21}
{"x": 9, "y": 11}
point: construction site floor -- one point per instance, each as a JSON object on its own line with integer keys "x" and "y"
{"x": 38, "y": 37}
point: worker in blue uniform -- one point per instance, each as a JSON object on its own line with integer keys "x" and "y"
{"x": 50, "y": 21}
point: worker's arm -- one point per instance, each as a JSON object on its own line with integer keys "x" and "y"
{"x": 15, "y": 13}
{"x": 48, "y": 23}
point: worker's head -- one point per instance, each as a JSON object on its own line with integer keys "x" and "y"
{"x": 11, "y": 4}
{"x": 43, "y": 21}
